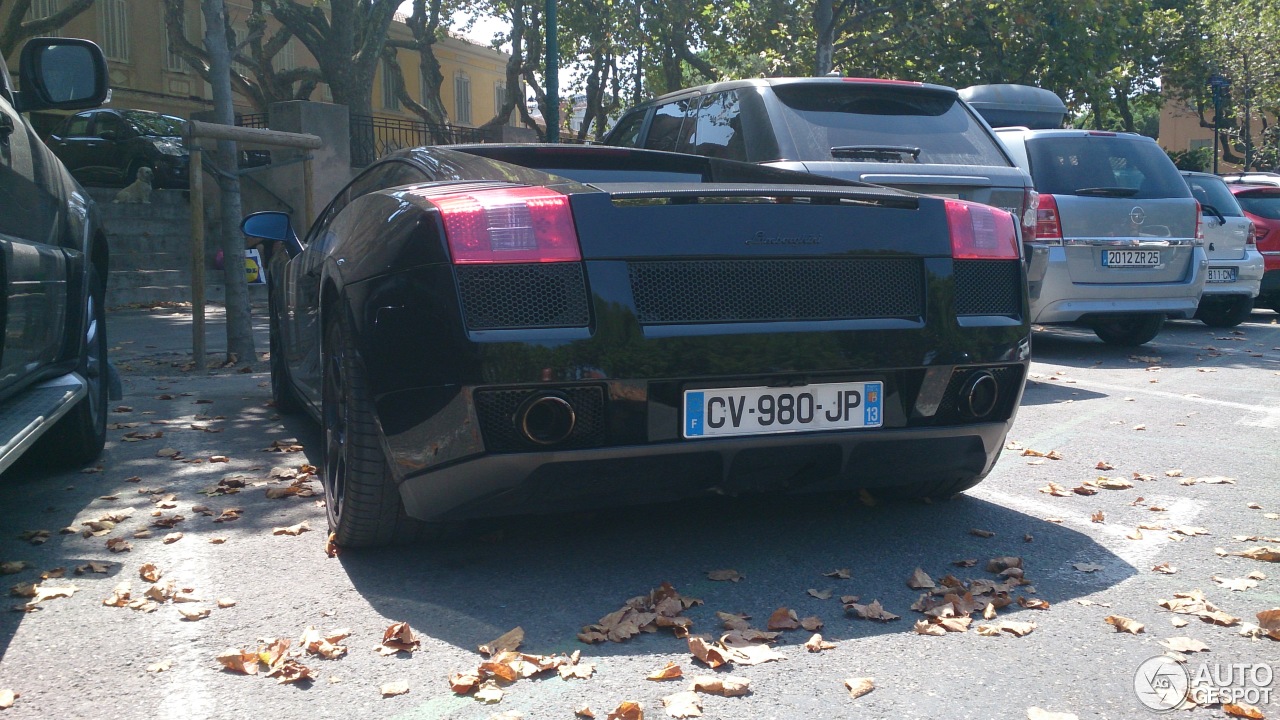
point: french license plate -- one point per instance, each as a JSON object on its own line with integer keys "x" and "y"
{"x": 1130, "y": 258}
{"x": 1222, "y": 275}
{"x": 721, "y": 412}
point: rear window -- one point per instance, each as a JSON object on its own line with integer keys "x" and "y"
{"x": 884, "y": 124}
{"x": 1103, "y": 166}
{"x": 1214, "y": 192}
{"x": 1263, "y": 205}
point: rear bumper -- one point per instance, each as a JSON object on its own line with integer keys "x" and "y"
{"x": 500, "y": 484}
{"x": 1249, "y": 272}
{"x": 1056, "y": 299}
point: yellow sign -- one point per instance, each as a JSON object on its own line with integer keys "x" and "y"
{"x": 255, "y": 273}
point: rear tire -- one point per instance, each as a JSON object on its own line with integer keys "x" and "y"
{"x": 1225, "y": 312}
{"x": 79, "y": 436}
{"x": 361, "y": 497}
{"x": 1128, "y": 330}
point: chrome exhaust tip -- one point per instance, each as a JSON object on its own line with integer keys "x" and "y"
{"x": 979, "y": 395}
{"x": 545, "y": 419}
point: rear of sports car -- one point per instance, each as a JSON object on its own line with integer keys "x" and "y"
{"x": 587, "y": 345}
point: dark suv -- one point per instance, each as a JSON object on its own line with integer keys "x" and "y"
{"x": 107, "y": 147}
{"x": 908, "y": 135}
{"x": 53, "y": 267}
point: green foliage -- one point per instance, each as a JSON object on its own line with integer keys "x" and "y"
{"x": 1198, "y": 160}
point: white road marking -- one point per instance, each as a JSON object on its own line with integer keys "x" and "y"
{"x": 1265, "y": 416}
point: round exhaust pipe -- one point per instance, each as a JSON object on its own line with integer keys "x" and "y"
{"x": 545, "y": 418}
{"x": 979, "y": 395}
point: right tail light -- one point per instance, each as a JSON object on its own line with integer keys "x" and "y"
{"x": 981, "y": 232}
{"x": 1048, "y": 224}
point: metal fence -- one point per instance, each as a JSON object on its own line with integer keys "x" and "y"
{"x": 372, "y": 137}
{"x": 258, "y": 120}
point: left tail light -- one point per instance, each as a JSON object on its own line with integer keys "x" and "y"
{"x": 1251, "y": 237}
{"x": 980, "y": 232}
{"x": 508, "y": 225}
{"x": 1199, "y": 225}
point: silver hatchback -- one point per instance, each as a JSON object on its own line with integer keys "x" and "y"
{"x": 1117, "y": 244}
{"x": 1235, "y": 265}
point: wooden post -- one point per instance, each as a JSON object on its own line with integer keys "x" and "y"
{"x": 197, "y": 255}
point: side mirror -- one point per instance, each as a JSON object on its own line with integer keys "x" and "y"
{"x": 273, "y": 226}
{"x": 61, "y": 74}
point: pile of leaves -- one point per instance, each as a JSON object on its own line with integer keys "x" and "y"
{"x": 663, "y": 607}
{"x": 949, "y": 603}
{"x": 505, "y": 666}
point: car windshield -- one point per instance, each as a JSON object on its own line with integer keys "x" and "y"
{"x": 156, "y": 124}
{"x": 1103, "y": 166}
{"x": 1264, "y": 205}
{"x": 892, "y": 123}
{"x": 1213, "y": 192}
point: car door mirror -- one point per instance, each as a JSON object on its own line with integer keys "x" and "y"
{"x": 273, "y": 226}
{"x": 108, "y": 134}
{"x": 61, "y": 74}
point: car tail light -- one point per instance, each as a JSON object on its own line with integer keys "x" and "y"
{"x": 1261, "y": 234}
{"x": 1048, "y": 224}
{"x": 1030, "y": 202}
{"x": 980, "y": 232}
{"x": 509, "y": 225}
{"x": 1251, "y": 238}
{"x": 1199, "y": 226}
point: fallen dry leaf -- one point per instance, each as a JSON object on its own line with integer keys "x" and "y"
{"x": 510, "y": 640}
{"x": 150, "y": 572}
{"x": 225, "y": 603}
{"x": 194, "y": 613}
{"x": 817, "y": 644}
{"x": 1164, "y": 568}
{"x": 1269, "y": 622}
{"x": 1236, "y": 584}
{"x": 859, "y": 686}
{"x": 783, "y": 619}
{"x": 159, "y": 667}
{"x": 841, "y": 574}
{"x": 171, "y": 538}
{"x": 723, "y": 685}
{"x": 1055, "y": 490}
{"x": 873, "y": 611}
{"x": 724, "y": 575}
{"x": 1124, "y": 624}
{"x": 1098, "y": 516}
{"x": 709, "y": 652}
{"x": 398, "y": 637}
{"x": 397, "y": 687}
{"x": 670, "y": 671}
{"x": 1242, "y": 710}
{"x": 819, "y": 594}
{"x": 241, "y": 661}
{"x": 684, "y": 704}
{"x": 920, "y": 580}
{"x": 7, "y": 698}
{"x": 1087, "y": 567}
{"x": 1265, "y": 554}
{"x": 627, "y": 710}
{"x": 813, "y": 623}
{"x": 1184, "y": 645}
{"x": 293, "y": 530}
{"x": 924, "y": 627}
{"x": 119, "y": 545}
{"x": 585, "y": 711}
{"x": 1113, "y": 483}
{"x": 982, "y": 533}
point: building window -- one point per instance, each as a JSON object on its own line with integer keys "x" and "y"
{"x": 41, "y": 9}
{"x": 389, "y": 99}
{"x": 326, "y": 92}
{"x": 173, "y": 61}
{"x": 462, "y": 97}
{"x": 285, "y": 59}
{"x": 1198, "y": 144}
{"x": 114, "y": 20}
{"x": 500, "y": 98}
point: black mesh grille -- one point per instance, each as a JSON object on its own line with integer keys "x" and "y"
{"x": 710, "y": 291}
{"x": 988, "y": 287}
{"x": 535, "y": 295}
{"x": 497, "y": 411}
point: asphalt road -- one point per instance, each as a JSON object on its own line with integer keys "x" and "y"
{"x": 1200, "y": 401}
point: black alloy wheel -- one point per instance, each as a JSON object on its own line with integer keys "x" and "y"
{"x": 1224, "y": 312}
{"x": 79, "y": 436}
{"x": 1128, "y": 330}
{"x": 362, "y": 500}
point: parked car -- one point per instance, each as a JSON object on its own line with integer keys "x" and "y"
{"x": 909, "y": 135}
{"x": 1235, "y": 265}
{"x": 54, "y": 374}
{"x": 1116, "y": 244}
{"x": 1261, "y": 204}
{"x": 494, "y": 329}
{"x": 107, "y": 147}
{"x": 1253, "y": 178}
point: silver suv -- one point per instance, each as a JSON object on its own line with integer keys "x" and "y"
{"x": 1116, "y": 244}
{"x": 1235, "y": 265}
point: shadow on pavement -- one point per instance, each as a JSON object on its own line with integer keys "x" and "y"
{"x": 553, "y": 575}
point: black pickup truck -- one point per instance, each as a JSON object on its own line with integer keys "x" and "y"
{"x": 498, "y": 329}
{"x": 54, "y": 385}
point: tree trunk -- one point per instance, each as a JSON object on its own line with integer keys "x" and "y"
{"x": 824, "y": 24}
{"x": 239, "y": 325}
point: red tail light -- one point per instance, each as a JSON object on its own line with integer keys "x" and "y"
{"x": 1261, "y": 234}
{"x": 1251, "y": 238}
{"x": 1199, "y": 227}
{"x": 509, "y": 225}
{"x": 1048, "y": 225}
{"x": 979, "y": 232}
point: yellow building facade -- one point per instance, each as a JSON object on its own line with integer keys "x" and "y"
{"x": 146, "y": 75}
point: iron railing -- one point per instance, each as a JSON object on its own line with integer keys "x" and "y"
{"x": 257, "y": 120}
{"x": 372, "y": 136}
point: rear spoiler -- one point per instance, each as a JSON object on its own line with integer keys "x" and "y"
{"x": 815, "y": 194}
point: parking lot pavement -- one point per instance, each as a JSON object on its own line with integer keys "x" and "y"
{"x": 1190, "y": 421}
